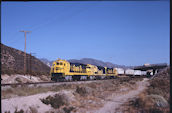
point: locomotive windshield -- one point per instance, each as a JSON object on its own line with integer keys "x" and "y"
{"x": 59, "y": 63}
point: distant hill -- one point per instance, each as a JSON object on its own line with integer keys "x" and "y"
{"x": 12, "y": 62}
{"x": 96, "y": 62}
{"x": 88, "y": 61}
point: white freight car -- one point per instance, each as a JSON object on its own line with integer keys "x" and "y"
{"x": 129, "y": 72}
{"x": 120, "y": 71}
{"x": 143, "y": 73}
{"x": 137, "y": 72}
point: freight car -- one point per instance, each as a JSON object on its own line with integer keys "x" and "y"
{"x": 137, "y": 73}
{"x": 64, "y": 70}
{"x": 129, "y": 72}
{"x": 120, "y": 71}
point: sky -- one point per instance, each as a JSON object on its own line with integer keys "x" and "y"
{"x": 122, "y": 32}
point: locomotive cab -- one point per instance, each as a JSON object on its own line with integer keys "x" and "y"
{"x": 59, "y": 68}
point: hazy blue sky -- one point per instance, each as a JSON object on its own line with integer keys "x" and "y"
{"x": 127, "y": 33}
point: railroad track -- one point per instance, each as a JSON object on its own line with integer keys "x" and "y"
{"x": 52, "y": 82}
{"x": 28, "y": 83}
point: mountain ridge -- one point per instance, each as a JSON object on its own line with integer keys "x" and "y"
{"x": 89, "y": 61}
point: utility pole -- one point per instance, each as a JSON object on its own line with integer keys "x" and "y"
{"x": 25, "y": 51}
{"x": 30, "y": 65}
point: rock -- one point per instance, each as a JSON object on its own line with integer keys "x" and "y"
{"x": 18, "y": 80}
{"x": 158, "y": 100}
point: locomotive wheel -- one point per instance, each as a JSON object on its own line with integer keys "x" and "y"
{"x": 76, "y": 77}
{"x": 88, "y": 78}
{"x": 98, "y": 77}
{"x": 112, "y": 77}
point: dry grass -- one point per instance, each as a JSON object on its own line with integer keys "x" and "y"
{"x": 26, "y": 91}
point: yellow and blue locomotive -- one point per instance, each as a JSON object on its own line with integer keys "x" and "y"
{"x": 64, "y": 70}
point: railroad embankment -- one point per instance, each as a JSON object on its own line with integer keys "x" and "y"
{"x": 100, "y": 96}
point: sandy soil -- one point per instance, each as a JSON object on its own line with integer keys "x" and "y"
{"x": 21, "y": 78}
{"x": 116, "y": 100}
{"x": 29, "y": 101}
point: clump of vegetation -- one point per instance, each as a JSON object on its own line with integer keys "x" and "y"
{"x": 68, "y": 109}
{"x": 7, "y": 111}
{"x": 33, "y": 109}
{"x": 83, "y": 91}
{"x": 20, "y": 111}
{"x": 56, "y": 101}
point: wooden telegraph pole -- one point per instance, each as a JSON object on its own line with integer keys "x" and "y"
{"x": 25, "y": 51}
{"x": 30, "y": 65}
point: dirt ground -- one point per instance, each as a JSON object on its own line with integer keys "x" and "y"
{"x": 114, "y": 101}
{"x": 6, "y": 79}
{"x": 28, "y": 102}
{"x": 103, "y": 97}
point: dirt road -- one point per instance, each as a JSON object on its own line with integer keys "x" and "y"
{"x": 115, "y": 101}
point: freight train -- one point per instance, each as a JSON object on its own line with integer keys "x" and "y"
{"x": 63, "y": 70}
